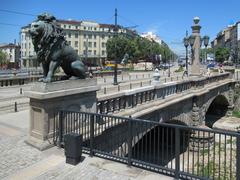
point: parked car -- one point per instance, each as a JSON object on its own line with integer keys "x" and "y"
{"x": 210, "y": 66}
{"x": 165, "y": 66}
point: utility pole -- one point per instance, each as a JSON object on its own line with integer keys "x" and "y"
{"x": 115, "y": 62}
{"x": 186, "y": 54}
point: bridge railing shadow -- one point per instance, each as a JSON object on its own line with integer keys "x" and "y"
{"x": 175, "y": 150}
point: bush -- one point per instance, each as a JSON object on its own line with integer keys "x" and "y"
{"x": 180, "y": 69}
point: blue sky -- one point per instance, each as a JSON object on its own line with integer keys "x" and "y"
{"x": 168, "y": 18}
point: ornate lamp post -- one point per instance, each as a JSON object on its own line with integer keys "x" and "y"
{"x": 169, "y": 65}
{"x": 205, "y": 42}
{"x": 191, "y": 42}
{"x": 186, "y": 44}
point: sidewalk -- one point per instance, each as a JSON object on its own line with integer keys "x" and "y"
{"x": 21, "y": 161}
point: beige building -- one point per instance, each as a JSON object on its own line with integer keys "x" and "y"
{"x": 13, "y": 53}
{"x": 88, "y": 38}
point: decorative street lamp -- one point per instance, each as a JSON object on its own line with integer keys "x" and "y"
{"x": 191, "y": 42}
{"x": 186, "y": 44}
{"x": 205, "y": 40}
{"x": 169, "y": 65}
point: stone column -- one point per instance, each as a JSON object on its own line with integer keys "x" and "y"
{"x": 46, "y": 99}
{"x": 195, "y": 68}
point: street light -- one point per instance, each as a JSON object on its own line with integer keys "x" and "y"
{"x": 191, "y": 42}
{"x": 115, "y": 62}
{"x": 186, "y": 44}
{"x": 205, "y": 40}
{"x": 169, "y": 57}
{"x": 188, "y": 41}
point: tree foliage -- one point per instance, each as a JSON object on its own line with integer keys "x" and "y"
{"x": 205, "y": 51}
{"x": 137, "y": 48}
{"x": 3, "y": 58}
{"x": 222, "y": 54}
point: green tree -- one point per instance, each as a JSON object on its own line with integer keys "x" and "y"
{"x": 3, "y": 58}
{"x": 137, "y": 48}
{"x": 205, "y": 51}
{"x": 221, "y": 54}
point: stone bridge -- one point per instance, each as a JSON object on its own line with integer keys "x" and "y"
{"x": 186, "y": 102}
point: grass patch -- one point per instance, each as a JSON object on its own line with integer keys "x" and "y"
{"x": 236, "y": 114}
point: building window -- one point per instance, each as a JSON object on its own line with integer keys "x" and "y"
{"x": 95, "y": 52}
{"x": 84, "y": 36}
{"x": 84, "y": 43}
{"x": 90, "y": 36}
{"x": 95, "y": 44}
{"x": 84, "y": 28}
{"x": 95, "y": 29}
{"x": 103, "y": 53}
{"x": 69, "y": 35}
{"x": 103, "y": 44}
{"x": 76, "y": 43}
{"x": 64, "y": 26}
{"x": 76, "y": 35}
{"x": 76, "y": 51}
{"x": 95, "y": 37}
{"x": 69, "y": 42}
{"x": 69, "y": 27}
{"x": 89, "y": 28}
{"x": 89, "y": 44}
{"x": 89, "y": 52}
{"x": 76, "y": 27}
{"x": 103, "y": 36}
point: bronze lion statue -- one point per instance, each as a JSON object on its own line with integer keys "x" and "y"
{"x": 52, "y": 49}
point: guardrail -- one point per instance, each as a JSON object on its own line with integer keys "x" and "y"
{"x": 10, "y": 81}
{"x": 180, "y": 151}
{"x": 131, "y": 98}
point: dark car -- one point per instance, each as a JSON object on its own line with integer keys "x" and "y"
{"x": 210, "y": 66}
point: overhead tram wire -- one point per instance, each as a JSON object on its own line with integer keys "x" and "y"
{"x": 128, "y": 21}
{"x": 8, "y": 24}
{"x": 17, "y": 12}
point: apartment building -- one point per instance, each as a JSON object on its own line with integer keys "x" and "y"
{"x": 229, "y": 38}
{"x": 13, "y": 53}
{"x": 88, "y": 38}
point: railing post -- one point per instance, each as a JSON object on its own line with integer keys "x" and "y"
{"x": 60, "y": 128}
{"x": 15, "y": 107}
{"x": 129, "y": 141}
{"x": 238, "y": 159}
{"x": 177, "y": 152}
{"x": 91, "y": 134}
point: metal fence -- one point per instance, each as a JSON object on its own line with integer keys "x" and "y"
{"x": 180, "y": 151}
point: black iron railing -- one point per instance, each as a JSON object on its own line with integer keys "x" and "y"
{"x": 180, "y": 151}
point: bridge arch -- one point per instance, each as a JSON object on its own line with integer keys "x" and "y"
{"x": 157, "y": 144}
{"x": 216, "y": 108}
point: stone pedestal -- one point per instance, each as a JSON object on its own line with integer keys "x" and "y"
{"x": 46, "y": 99}
{"x": 195, "y": 68}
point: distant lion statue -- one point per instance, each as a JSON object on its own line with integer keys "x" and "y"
{"x": 52, "y": 49}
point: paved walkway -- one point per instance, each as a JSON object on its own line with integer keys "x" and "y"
{"x": 21, "y": 161}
